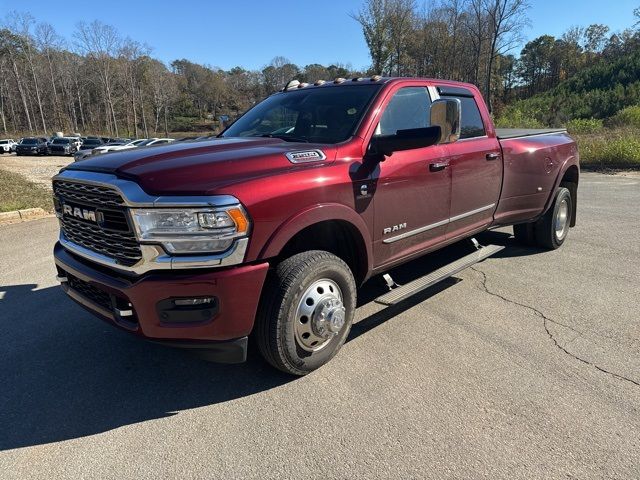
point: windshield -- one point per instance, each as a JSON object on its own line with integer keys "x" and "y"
{"x": 29, "y": 141}
{"x": 60, "y": 141}
{"x": 319, "y": 115}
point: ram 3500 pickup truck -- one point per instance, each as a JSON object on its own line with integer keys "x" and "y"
{"x": 269, "y": 229}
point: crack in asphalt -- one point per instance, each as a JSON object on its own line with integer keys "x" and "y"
{"x": 545, "y": 322}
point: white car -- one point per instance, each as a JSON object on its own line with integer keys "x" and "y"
{"x": 145, "y": 142}
{"x": 153, "y": 141}
{"x": 118, "y": 146}
{"x": 7, "y": 145}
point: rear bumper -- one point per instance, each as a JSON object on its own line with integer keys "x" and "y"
{"x": 140, "y": 304}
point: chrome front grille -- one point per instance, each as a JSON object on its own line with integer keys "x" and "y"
{"x": 111, "y": 236}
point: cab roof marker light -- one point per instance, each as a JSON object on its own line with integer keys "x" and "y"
{"x": 320, "y": 82}
{"x": 357, "y": 79}
{"x": 302, "y": 85}
{"x": 339, "y": 80}
{"x": 375, "y": 78}
{"x": 291, "y": 85}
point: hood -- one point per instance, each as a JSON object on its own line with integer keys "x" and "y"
{"x": 202, "y": 167}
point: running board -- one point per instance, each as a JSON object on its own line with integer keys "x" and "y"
{"x": 396, "y": 295}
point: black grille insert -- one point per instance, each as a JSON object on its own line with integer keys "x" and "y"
{"x": 111, "y": 235}
{"x": 90, "y": 292}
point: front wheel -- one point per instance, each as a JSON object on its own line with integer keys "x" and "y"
{"x": 306, "y": 311}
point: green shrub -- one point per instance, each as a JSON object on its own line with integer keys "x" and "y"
{"x": 183, "y": 124}
{"x": 611, "y": 149}
{"x": 516, "y": 118}
{"x": 627, "y": 117}
{"x": 584, "y": 125}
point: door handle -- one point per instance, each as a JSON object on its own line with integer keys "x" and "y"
{"x": 492, "y": 156}
{"x": 436, "y": 167}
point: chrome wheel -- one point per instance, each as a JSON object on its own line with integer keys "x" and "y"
{"x": 561, "y": 223}
{"x": 320, "y": 315}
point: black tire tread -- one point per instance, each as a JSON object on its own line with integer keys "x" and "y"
{"x": 276, "y": 290}
{"x": 543, "y": 229}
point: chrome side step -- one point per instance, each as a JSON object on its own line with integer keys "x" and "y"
{"x": 396, "y": 295}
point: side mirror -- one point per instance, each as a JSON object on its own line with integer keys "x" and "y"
{"x": 446, "y": 113}
{"x": 404, "y": 140}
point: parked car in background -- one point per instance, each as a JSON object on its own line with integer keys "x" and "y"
{"x": 81, "y": 155}
{"x": 90, "y": 143}
{"x": 62, "y": 146}
{"x": 107, "y": 147}
{"x": 7, "y": 145}
{"x": 156, "y": 141}
{"x": 128, "y": 145}
{"x": 76, "y": 140}
{"x": 32, "y": 146}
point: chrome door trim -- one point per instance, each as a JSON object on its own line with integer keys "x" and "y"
{"x": 472, "y": 212}
{"x": 437, "y": 224}
{"x": 416, "y": 231}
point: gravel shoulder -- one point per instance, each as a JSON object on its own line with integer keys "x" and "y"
{"x": 36, "y": 169}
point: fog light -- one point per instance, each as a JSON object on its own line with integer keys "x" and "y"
{"x": 187, "y": 302}
{"x": 185, "y": 310}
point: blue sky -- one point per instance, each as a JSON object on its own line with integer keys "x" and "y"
{"x": 251, "y": 32}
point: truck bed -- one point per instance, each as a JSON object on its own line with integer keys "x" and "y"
{"x": 507, "y": 133}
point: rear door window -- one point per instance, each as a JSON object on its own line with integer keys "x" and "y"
{"x": 407, "y": 109}
{"x": 471, "y": 123}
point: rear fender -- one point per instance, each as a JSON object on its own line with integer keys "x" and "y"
{"x": 570, "y": 161}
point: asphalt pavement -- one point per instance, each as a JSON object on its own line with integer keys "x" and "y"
{"x": 525, "y": 366}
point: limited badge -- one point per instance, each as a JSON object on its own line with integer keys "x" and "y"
{"x": 306, "y": 156}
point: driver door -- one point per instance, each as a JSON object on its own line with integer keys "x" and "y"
{"x": 412, "y": 196}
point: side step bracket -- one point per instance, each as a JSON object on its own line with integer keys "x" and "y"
{"x": 396, "y": 295}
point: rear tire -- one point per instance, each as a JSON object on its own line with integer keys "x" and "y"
{"x": 524, "y": 234}
{"x": 306, "y": 311}
{"x": 552, "y": 229}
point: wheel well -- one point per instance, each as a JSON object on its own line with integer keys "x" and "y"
{"x": 336, "y": 236}
{"x": 570, "y": 181}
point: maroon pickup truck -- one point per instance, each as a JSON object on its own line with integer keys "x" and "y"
{"x": 268, "y": 230}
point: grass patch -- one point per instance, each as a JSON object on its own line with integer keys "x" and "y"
{"x": 16, "y": 193}
{"x": 610, "y": 148}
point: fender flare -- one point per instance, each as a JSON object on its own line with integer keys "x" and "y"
{"x": 571, "y": 161}
{"x": 316, "y": 214}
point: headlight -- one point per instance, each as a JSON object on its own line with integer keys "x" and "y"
{"x": 201, "y": 230}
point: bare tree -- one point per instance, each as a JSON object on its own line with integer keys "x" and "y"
{"x": 506, "y": 19}
{"x": 100, "y": 43}
{"x": 22, "y": 23}
{"x": 49, "y": 42}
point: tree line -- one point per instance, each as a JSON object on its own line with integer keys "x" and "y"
{"x": 99, "y": 81}
{"x": 475, "y": 41}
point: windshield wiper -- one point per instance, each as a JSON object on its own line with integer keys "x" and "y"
{"x": 286, "y": 138}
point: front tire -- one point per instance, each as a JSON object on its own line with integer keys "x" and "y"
{"x": 306, "y": 311}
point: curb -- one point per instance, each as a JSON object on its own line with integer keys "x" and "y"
{"x": 23, "y": 215}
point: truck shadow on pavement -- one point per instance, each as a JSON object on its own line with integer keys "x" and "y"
{"x": 67, "y": 375}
